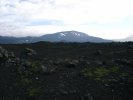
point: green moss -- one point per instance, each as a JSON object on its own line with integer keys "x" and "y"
{"x": 124, "y": 74}
{"x": 101, "y": 73}
{"x": 35, "y": 66}
{"x": 98, "y": 72}
{"x": 88, "y": 72}
{"x": 26, "y": 81}
{"x": 33, "y": 91}
{"x": 114, "y": 69}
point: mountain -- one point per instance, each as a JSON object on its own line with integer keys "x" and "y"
{"x": 65, "y": 36}
{"x": 71, "y": 36}
{"x": 15, "y": 40}
{"x": 129, "y": 38}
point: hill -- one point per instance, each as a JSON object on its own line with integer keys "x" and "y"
{"x": 65, "y": 36}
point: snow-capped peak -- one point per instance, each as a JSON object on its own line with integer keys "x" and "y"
{"x": 62, "y": 34}
{"x": 77, "y": 34}
{"x": 74, "y": 33}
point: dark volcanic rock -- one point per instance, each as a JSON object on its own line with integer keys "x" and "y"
{"x": 71, "y": 65}
{"x": 122, "y": 61}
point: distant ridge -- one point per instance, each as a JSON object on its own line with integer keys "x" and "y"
{"x": 71, "y": 36}
{"x": 64, "y": 36}
{"x": 129, "y": 38}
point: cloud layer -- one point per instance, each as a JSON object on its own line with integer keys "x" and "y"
{"x": 104, "y": 18}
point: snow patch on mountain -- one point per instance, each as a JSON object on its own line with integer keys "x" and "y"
{"x": 62, "y": 34}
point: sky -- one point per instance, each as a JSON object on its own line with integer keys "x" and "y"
{"x": 108, "y": 19}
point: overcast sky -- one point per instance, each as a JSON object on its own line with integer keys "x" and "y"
{"x": 109, "y": 19}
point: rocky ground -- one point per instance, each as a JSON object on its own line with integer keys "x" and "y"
{"x": 66, "y": 71}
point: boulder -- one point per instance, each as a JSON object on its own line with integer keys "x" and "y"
{"x": 86, "y": 97}
{"x": 71, "y": 64}
{"x": 98, "y": 53}
{"x": 122, "y": 61}
{"x": 27, "y": 53}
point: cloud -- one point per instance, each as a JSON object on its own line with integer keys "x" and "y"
{"x": 96, "y": 17}
{"x": 85, "y": 11}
